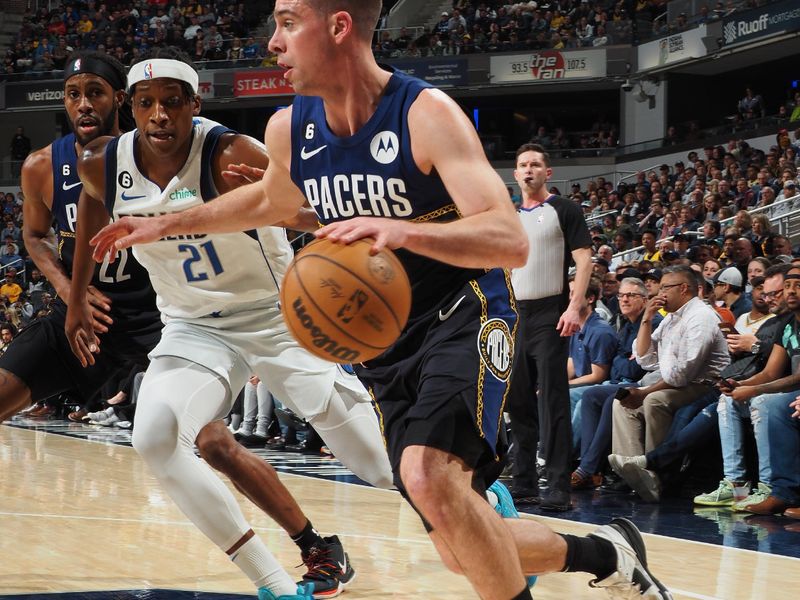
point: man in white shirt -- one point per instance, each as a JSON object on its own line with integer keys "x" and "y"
{"x": 688, "y": 351}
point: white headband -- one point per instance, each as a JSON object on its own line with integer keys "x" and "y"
{"x": 163, "y": 67}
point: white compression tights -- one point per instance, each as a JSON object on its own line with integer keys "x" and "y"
{"x": 177, "y": 399}
{"x": 349, "y": 427}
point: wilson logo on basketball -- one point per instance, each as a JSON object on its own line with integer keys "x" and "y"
{"x": 322, "y": 340}
{"x": 496, "y": 348}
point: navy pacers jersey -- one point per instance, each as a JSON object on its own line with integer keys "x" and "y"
{"x": 373, "y": 174}
{"x": 125, "y": 282}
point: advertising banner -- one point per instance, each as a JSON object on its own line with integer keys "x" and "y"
{"x": 32, "y": 95}
{"x": 672, "y": 49}
{"x": 440, "y": 73}
{"x": 260, "y": 82}
{"x": 548, "y": 65}
{"x": 743, "y": 27}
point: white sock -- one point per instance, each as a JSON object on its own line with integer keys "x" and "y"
{"x": 256, "y": 561}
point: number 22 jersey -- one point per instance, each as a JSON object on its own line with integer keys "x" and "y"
{"x": 125, "y": 282}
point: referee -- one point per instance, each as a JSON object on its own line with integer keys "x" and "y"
{"x": 558, "y": 235}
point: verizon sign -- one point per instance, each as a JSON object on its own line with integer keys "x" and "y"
{"x": 261, "y": 83}
{"x": 548, "y": 65}
{"x": 740, "y": 28}
{"x": 41, "y": 94}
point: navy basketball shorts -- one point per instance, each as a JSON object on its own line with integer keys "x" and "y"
{"x": 444, "y": 383}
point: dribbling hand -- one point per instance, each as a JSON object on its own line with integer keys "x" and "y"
{"x": 388, "y": 233}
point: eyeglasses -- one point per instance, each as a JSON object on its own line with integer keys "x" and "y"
{"x": 671, "y": 285}
{"x": 768, "y": 295}
{"x": 625, "y": 296}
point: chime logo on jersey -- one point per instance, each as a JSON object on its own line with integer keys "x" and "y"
{"x": 385, "y": 147}
{"x": 496, "y": 347}
{"x": 148, "y": 71}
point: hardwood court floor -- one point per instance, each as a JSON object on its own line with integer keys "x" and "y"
{"x": 82, "y": 516}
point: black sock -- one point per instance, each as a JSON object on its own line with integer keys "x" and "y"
{"x": 525, "y": 594}
{"x": 308, "y": 538}
{"x": 590, "y": 555}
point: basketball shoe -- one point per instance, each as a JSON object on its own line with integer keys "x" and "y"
{"x": 304, "y": 592}
{"x": 329, "y": 569}
{"x": 506, "y": 509}
{"x": 631, "y": 579}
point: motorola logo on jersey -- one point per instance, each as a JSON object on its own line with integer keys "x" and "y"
{"x": 496, "y": 347}
{"x": 385, "y": 147}
{"x": 357, "y": 195}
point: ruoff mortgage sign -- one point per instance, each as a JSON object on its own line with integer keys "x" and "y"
{"x": 740, "y": 28}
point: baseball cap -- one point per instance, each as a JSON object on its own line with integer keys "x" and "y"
{"x": 586, "y": 203}
{"x": 731, "y": 276}
{"x": 679, "y": 237}
{"x": 789, "y": 184}
{"x": 654, "y": 274}
{"x": 445, "y": 14}
{"x": 629, "y": 272}
{"x": 670, "y": 255}
{"x": 783, "y": 258}
{"x": 600, "y": 261}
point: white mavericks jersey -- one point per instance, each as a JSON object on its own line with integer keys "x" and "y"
{"x": 196, "y": 275}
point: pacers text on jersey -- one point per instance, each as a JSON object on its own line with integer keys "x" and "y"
{"x": 343, "y": 196}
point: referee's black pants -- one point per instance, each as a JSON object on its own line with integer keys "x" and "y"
{"x": 540, "y": 362}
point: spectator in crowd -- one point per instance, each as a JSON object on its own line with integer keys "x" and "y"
{"x": 591, "y": 351}
{"x": 20, "y": 148}
{"x": 7, "y": 334}
{"x": 729, "y": 288}
{"x": 769, "y": 393}
{"x": 596, "y": 400}
{"x": 752, "y": 105}
{"x": 688, "y": 351}
{"x": 10, "y": 291}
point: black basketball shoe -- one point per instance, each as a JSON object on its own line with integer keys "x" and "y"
{"x": 329, "y": 568}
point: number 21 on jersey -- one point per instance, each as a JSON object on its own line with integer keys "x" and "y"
{"x": 196, "y": 255}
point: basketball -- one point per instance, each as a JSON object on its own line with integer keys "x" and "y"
{"x": 342, "y": 304}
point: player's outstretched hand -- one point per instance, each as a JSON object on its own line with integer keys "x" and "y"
{"x": 80, "y": 333}
{"x": 123, "y": 234}
{"x": 241, "y": 174}
{"x": 100, "y": 305}
{"x": 388, "y": 233}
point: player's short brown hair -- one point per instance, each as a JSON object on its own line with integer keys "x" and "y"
{"x": 365, "y": 13}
